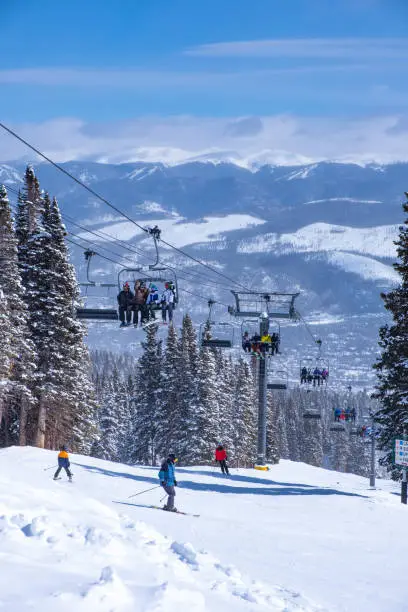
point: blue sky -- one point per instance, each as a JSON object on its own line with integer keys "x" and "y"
{"x": 105, "y": 65}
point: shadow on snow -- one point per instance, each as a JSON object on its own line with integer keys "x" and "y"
{"x": 277, "y": 488}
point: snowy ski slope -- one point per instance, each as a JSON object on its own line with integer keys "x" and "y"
{"x": 295, "y": 539}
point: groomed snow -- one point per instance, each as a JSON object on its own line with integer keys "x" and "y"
{"x": 180, "y": 232}
{"x": 296, "y": 538}
{"x": 367, "y": 268}
{"x": 376, "y": 241}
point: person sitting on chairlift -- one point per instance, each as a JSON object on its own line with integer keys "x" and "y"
{"x": 152, "y": 300}
{"x": 303, "y": 376}
{"x": 317, "y": 377}
{"x": 125, "y": 298}
{"x": 309, "y": 376}
{"x": 275, "y": 343}
{"x": 139, "y": 303}
{"x": 337, "y": 414}
{"x": 167, "y": 302}
{"x": 246, "y": 343}
{"x": 256, "y": 345}
{"x": 325, "y": 374}
{"x": 266, "y": 342}
{"x": 353, "y": 415}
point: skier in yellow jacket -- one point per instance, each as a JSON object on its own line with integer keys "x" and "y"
{"x": 63, "y": 462}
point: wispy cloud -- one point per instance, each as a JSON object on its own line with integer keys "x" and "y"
{"x": 153, "y": 79}
{"x": 281, "y": 139}
{"x": 309, "y": 48}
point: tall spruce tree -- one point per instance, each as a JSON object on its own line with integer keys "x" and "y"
{"x": 392, "y": 367}
{"x": 18, "y": 397}
{"x": 149, "y": 396}
{"x": 169, "y": 417}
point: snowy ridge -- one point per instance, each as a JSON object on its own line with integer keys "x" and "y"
{"x": 366, "y": 267}
{"x": 375, "y": 241}
{"x": 180, "y": 232}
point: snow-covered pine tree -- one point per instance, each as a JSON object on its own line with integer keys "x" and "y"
{"x": 78, "y": 416}
{"x": 392, "y": 367}
{"x": 6, "y": 355}
{"x": 169, "y": 418}
{"x": 150, "y": 393}
{"x": 226, "y": 392}
{"x": 18, "y": 393}
{"x": 109, "y": 421}
{"x": 189, "y": 408}
{"x": 206, "y": 419}
{"x": 244, "y": 419}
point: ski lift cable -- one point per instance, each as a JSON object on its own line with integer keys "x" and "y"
{"x": 92, "y": 244}
{"x": 316, "y": 341}
{"x": 105, "y": 201}
{"x": 131, "y": 248}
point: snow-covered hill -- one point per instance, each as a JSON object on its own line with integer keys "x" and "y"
{"x": 296, "y": 539}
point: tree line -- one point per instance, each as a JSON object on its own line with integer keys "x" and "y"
{"x": 46, "y": 393}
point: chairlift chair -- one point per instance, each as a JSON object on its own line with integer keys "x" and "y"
{"x": 216, "y": 334}
{"x": 277, "y": 380}
{"x": 254, "y": 303}
{"x": 337, "y": 427}
{"x": 98, "y": 314}
{"x": 156, "y": 272}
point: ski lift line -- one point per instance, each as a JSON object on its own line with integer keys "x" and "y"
{"x": 105, "y": 201}
{"x": 99, "y": 254}
{"x": 89, "y": 242}
{"x": 71, "y": 176}
{"x": 131, "y": 248}
{"x": 203, "y": 284}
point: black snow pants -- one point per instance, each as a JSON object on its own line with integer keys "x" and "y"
{"x": 224, "y": 467}
{"x": 61, "y": 468}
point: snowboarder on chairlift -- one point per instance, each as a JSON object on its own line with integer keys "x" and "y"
{"x": 124, "y": 302}
{"x": 221, "y": 457}
{"x": 63, "y": 463}
{"x": 167, "y": 476}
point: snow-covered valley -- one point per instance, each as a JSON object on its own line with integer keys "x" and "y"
{"x": 296, "y": 538}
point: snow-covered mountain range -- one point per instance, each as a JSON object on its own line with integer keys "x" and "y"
{"x": 324, "y": 229}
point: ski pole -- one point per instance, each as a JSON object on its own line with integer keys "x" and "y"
{"x": 141, "y": 492}
{"x": 49, "y": 468}
{"x": 164, "y": 497}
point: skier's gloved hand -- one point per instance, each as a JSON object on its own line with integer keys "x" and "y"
{"x": 175, "y": 482}
{"x": 162, "y": 483}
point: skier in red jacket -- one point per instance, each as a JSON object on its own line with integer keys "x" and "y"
{"x": 221, "y": 456}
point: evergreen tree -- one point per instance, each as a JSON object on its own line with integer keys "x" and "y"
{"x": 392, "y": 367}
{"x": 244, "y": 416}
{"x": 18, "y": 397}
{"x": 189, "y": 411}
{"x": 150, "y": 393}
{"x": 169, "y": 423}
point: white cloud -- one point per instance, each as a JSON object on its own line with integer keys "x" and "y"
{"x": 280, "y": 139}
{"x": 309, "y": 48}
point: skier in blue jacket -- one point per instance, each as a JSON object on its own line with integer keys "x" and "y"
{"x": 168, "y": 481}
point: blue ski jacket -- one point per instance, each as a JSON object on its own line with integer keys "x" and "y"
{"x": 167, "y": 473}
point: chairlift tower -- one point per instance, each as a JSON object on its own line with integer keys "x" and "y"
{"x": 265, "y": 307}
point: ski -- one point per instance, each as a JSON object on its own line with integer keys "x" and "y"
{"x": 168, "y": 512}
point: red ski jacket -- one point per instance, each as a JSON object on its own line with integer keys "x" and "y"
{"x": 220, "y": 455}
